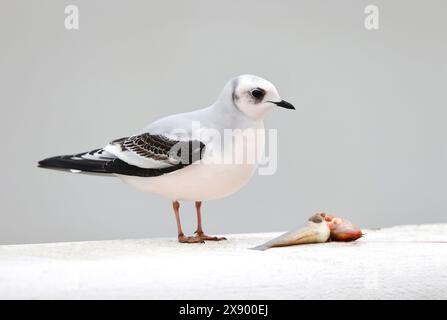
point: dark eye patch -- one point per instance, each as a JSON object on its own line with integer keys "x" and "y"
{"x": 257, "y": 93}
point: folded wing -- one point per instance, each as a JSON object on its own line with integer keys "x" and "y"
{"x": 145, "y": 155}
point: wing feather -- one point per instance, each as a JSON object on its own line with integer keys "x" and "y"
{"x": 155, "y": 150}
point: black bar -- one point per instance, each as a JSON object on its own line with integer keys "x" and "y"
{"x": 235, "y": 309}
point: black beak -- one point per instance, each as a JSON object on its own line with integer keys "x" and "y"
{"x": 284, "y": 104}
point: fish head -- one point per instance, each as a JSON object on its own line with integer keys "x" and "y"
{"x": 342, "y": 229}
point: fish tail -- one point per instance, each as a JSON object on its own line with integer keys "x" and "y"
{"x": 262, "y": 247}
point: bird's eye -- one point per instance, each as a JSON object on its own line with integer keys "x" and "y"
{"x": 257, "y": 93}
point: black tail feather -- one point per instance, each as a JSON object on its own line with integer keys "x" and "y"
{"x": 72, "y": 162}
{"x": 107, "y": 166}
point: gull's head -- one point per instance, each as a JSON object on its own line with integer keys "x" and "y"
{"x": 253, "y": 96}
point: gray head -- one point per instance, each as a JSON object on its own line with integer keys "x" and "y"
{"x": 253, "y": 96}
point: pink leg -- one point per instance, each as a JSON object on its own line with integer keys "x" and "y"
{"x": 199, "y": 232}
{"x": 181, "y": 236}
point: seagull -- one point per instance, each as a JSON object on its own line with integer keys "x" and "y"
{"x": 185, "y": 156}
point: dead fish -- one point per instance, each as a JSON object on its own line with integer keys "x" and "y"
{"x": 342, "y": 229}
{"x": 315, "y": 231}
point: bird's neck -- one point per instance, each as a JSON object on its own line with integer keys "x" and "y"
{"x": 229, "y": 115}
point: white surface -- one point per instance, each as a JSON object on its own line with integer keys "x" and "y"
{"x": 388, "y": 263}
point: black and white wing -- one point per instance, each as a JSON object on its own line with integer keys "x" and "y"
{"x": 155, "y": 151}
{"x": 145, "y": 155}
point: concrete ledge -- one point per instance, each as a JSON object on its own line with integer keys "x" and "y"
{"x": 393, "y": 263}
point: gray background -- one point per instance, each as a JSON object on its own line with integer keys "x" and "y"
{"x": 367, "y": 142}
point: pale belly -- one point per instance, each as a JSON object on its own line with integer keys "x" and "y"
{"x": 212, "y": 178}
{"x": 197, "y": 181}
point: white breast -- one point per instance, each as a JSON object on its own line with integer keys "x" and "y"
{"x": 212, "y": 178}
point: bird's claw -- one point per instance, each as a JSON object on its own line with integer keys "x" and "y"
{"x": 205, "y": 237}
{"x": 199, "y": 237}
{"x": 185, "y": 239}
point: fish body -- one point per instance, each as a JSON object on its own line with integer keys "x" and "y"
{"x": 320, "y": 228}
{"x": 316, "y": 230}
